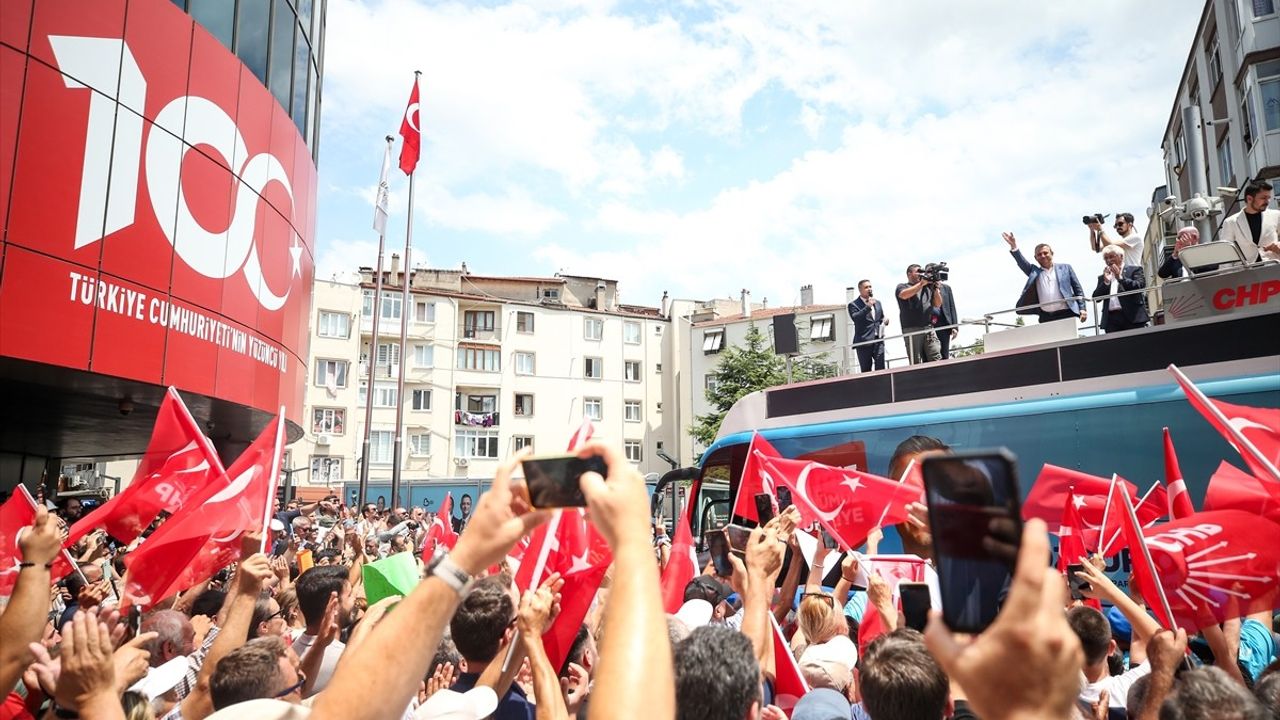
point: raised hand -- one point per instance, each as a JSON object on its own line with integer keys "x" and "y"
{"x": 40, "y": 543}
{"x": 441, "y": 679}
{"x": 130, "y": 661}
{"x": 1027, "y": 664}
{"x": 538, "y": 608}
{"x": 500, "y": 518}
{"x": 575, "y": 687}
{"x": 1009, "y": 238}
{"x": 88, "y": 671}
{"x": 618, "y": 505}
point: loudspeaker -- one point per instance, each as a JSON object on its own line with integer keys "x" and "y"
{"x": 785, "y": 341}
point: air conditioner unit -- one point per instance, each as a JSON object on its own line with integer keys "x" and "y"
{"x": 461, "y": 462}
{"x": 322, "y": 439}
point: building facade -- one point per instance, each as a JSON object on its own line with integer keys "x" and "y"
{"x": 492, "y": 365}
{"x": 157, "y": 212}
{"x": 1232, "y": 74}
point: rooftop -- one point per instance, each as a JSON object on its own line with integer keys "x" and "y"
{"x": 765, "y": 313}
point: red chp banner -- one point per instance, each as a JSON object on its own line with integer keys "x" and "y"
{"x": 160, "y": 217}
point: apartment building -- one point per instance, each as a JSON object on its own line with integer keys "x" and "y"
{"x": 704, "y": 329}
{"x": 1232, "y": 74}
{"x": 492, "y": 365}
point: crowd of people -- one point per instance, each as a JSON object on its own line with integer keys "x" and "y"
{"x": 268, "y": 639}
{"x": 926, "y": 308}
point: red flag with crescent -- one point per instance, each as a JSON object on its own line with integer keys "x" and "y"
{"x": 411, "y": 133}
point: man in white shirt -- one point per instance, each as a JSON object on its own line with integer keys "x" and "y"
{"x": 1094, "y": 632}
{"x": 1254, "y": 229}
{"x": 1049, "y": 285}
{"x": 314, "y": 588}
{"x": 1129, "y": 240}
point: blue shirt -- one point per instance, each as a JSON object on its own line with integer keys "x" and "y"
{"x": 512, "y": 706}
{"x": 1257, "y": 647}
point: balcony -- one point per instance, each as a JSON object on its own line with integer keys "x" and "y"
{"x": 462, "y": 418}
{"x": 381, "y": 371}
{"x": 480, "y": 333}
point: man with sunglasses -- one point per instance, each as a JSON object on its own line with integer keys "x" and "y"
{"x": 1130, "y": 241}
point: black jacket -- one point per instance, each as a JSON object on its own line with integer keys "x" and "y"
{"x": 868, "y": 320}
{"x": 1133, "y": 306}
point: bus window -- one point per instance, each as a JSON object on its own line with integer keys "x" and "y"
{"x": 714, "y": 500}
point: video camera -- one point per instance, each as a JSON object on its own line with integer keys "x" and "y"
{"x": 935, "y": 272}
{"x": 1094, "y": 218}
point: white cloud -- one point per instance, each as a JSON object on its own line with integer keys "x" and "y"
{"x": 556, "y": 121}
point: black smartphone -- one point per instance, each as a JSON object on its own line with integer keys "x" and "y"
{"x": 553, "y": 479}
{"x": 915, "y": 604}
{"x": 977, "y": 530}
{"x": 1078, "y": 584}
{"x": 829, "y": 541}
{"x": 738, "y": 537}
{"x": 764, "y": 508}
{"x": 784, "y": 498}
{"x": 718, "y": 548}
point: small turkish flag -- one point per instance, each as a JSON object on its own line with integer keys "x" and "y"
{"x": 179, "y": 461}
{"x": 682, "y": 566}
{"x": 441, "y": 530}
{"x": 754, "y": 480}
{"x": 411, "y": 133}
{"x": 789, "y": 683}
{"x": 575, "y": 549}
{"x": 1180, "y": 505}
{"x": 1233, "y": 489}
{"x": 1212, "y": 567}
{"x": 848, "y": 503}
{"x": 17, "y": 514}
{"x": 1070, "y": 536}
{"x": 204, "y": 536}
{"x": 1053, "y": 486}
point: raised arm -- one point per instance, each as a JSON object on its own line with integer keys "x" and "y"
{"x": 24, "y": 617}
{"x": 1026, "y": 267}
{"x": 538, "y": 608}
{"x": 634, "y": 623}
{"x": 364, "y": 687}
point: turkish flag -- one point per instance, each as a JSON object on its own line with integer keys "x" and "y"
{"x": 1055, "y": 484}
{"x": 895, "y": 569}
{"x": 575, "y": 549}
{"x": 1258, "y": 428}
{"x": 179, "y": 461}
{"x": 204, "y": 536}
{"x": 411, "y": 133}
{"x": 1233, "y": 489}
{"x": 1212, "y": 566}
{"x": 441, "y": 530}
{"x": 754, "y": 479}
{"x": 789, "y": 684}
{"x": 682, "y": 565}
{"x": 582, "y": 435}
{"x": 848, "y": 503}
{"x": 1070, "y": 536}
{"x": 1151, "y": 507}
{"x": 1180, "y": 504}
{"x": 16, "y": 515}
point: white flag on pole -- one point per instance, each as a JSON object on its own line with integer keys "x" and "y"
{"x": 380, "y": 205}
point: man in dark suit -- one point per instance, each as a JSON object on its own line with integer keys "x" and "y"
{"x": 1172, "y": 266}
{"x": 868, "y": 324}
{"x": 464, "y": 504}
{"x": 1126, "y": 312}
{"x": 1052, "y": 288}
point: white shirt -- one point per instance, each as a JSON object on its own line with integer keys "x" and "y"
{"x": 1047, "y": 287}
{"x": 1133, "y": 243}
{"x": 327, "y": 664}
{"x": 1114, "y": 302}
{"x": 1117, "y": 687}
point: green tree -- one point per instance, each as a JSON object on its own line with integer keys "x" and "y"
{"x": 745, "y": 369}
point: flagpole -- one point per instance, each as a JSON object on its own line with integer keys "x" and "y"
{"x": 1243, "y": 445}
{"x": 405, "y": 308}
{"x": 75, "y": 566}
{"x": 276, "y": 451}
{"x": 1106, "y": 510}
{"x": 905, "y": 473}
{"x": 373, "y": 341}
{"x": 1145, "y": 558}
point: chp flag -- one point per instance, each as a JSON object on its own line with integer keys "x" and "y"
{"x": 380, "y": 210}
{"x": 178, "y": 463}
{"x": 205, "y": 536}
{"x": 1231, "y": 488}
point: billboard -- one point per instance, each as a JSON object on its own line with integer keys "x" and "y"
{"x": 157, "y": 204}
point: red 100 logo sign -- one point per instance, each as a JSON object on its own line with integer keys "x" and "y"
{"x": 212, "y": 254}
{"x": 160, "y": 218}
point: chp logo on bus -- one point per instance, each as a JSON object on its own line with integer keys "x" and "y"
{"x": 116, "y": 146}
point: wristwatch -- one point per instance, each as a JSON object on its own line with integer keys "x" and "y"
{"x": 443, "y": 567}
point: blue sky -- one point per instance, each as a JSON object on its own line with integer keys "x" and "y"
{"x": 707, "y": 147}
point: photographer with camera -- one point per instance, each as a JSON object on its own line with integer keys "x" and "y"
{"x": 1052, "y": 288}
{"x": 913, "y": 315}
{"x": 1129, "y": 242}
{"x": 942, "y": 307}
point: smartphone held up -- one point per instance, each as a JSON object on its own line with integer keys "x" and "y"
{"x": 553, "y": 480}
{"x": 976, "y": 532}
